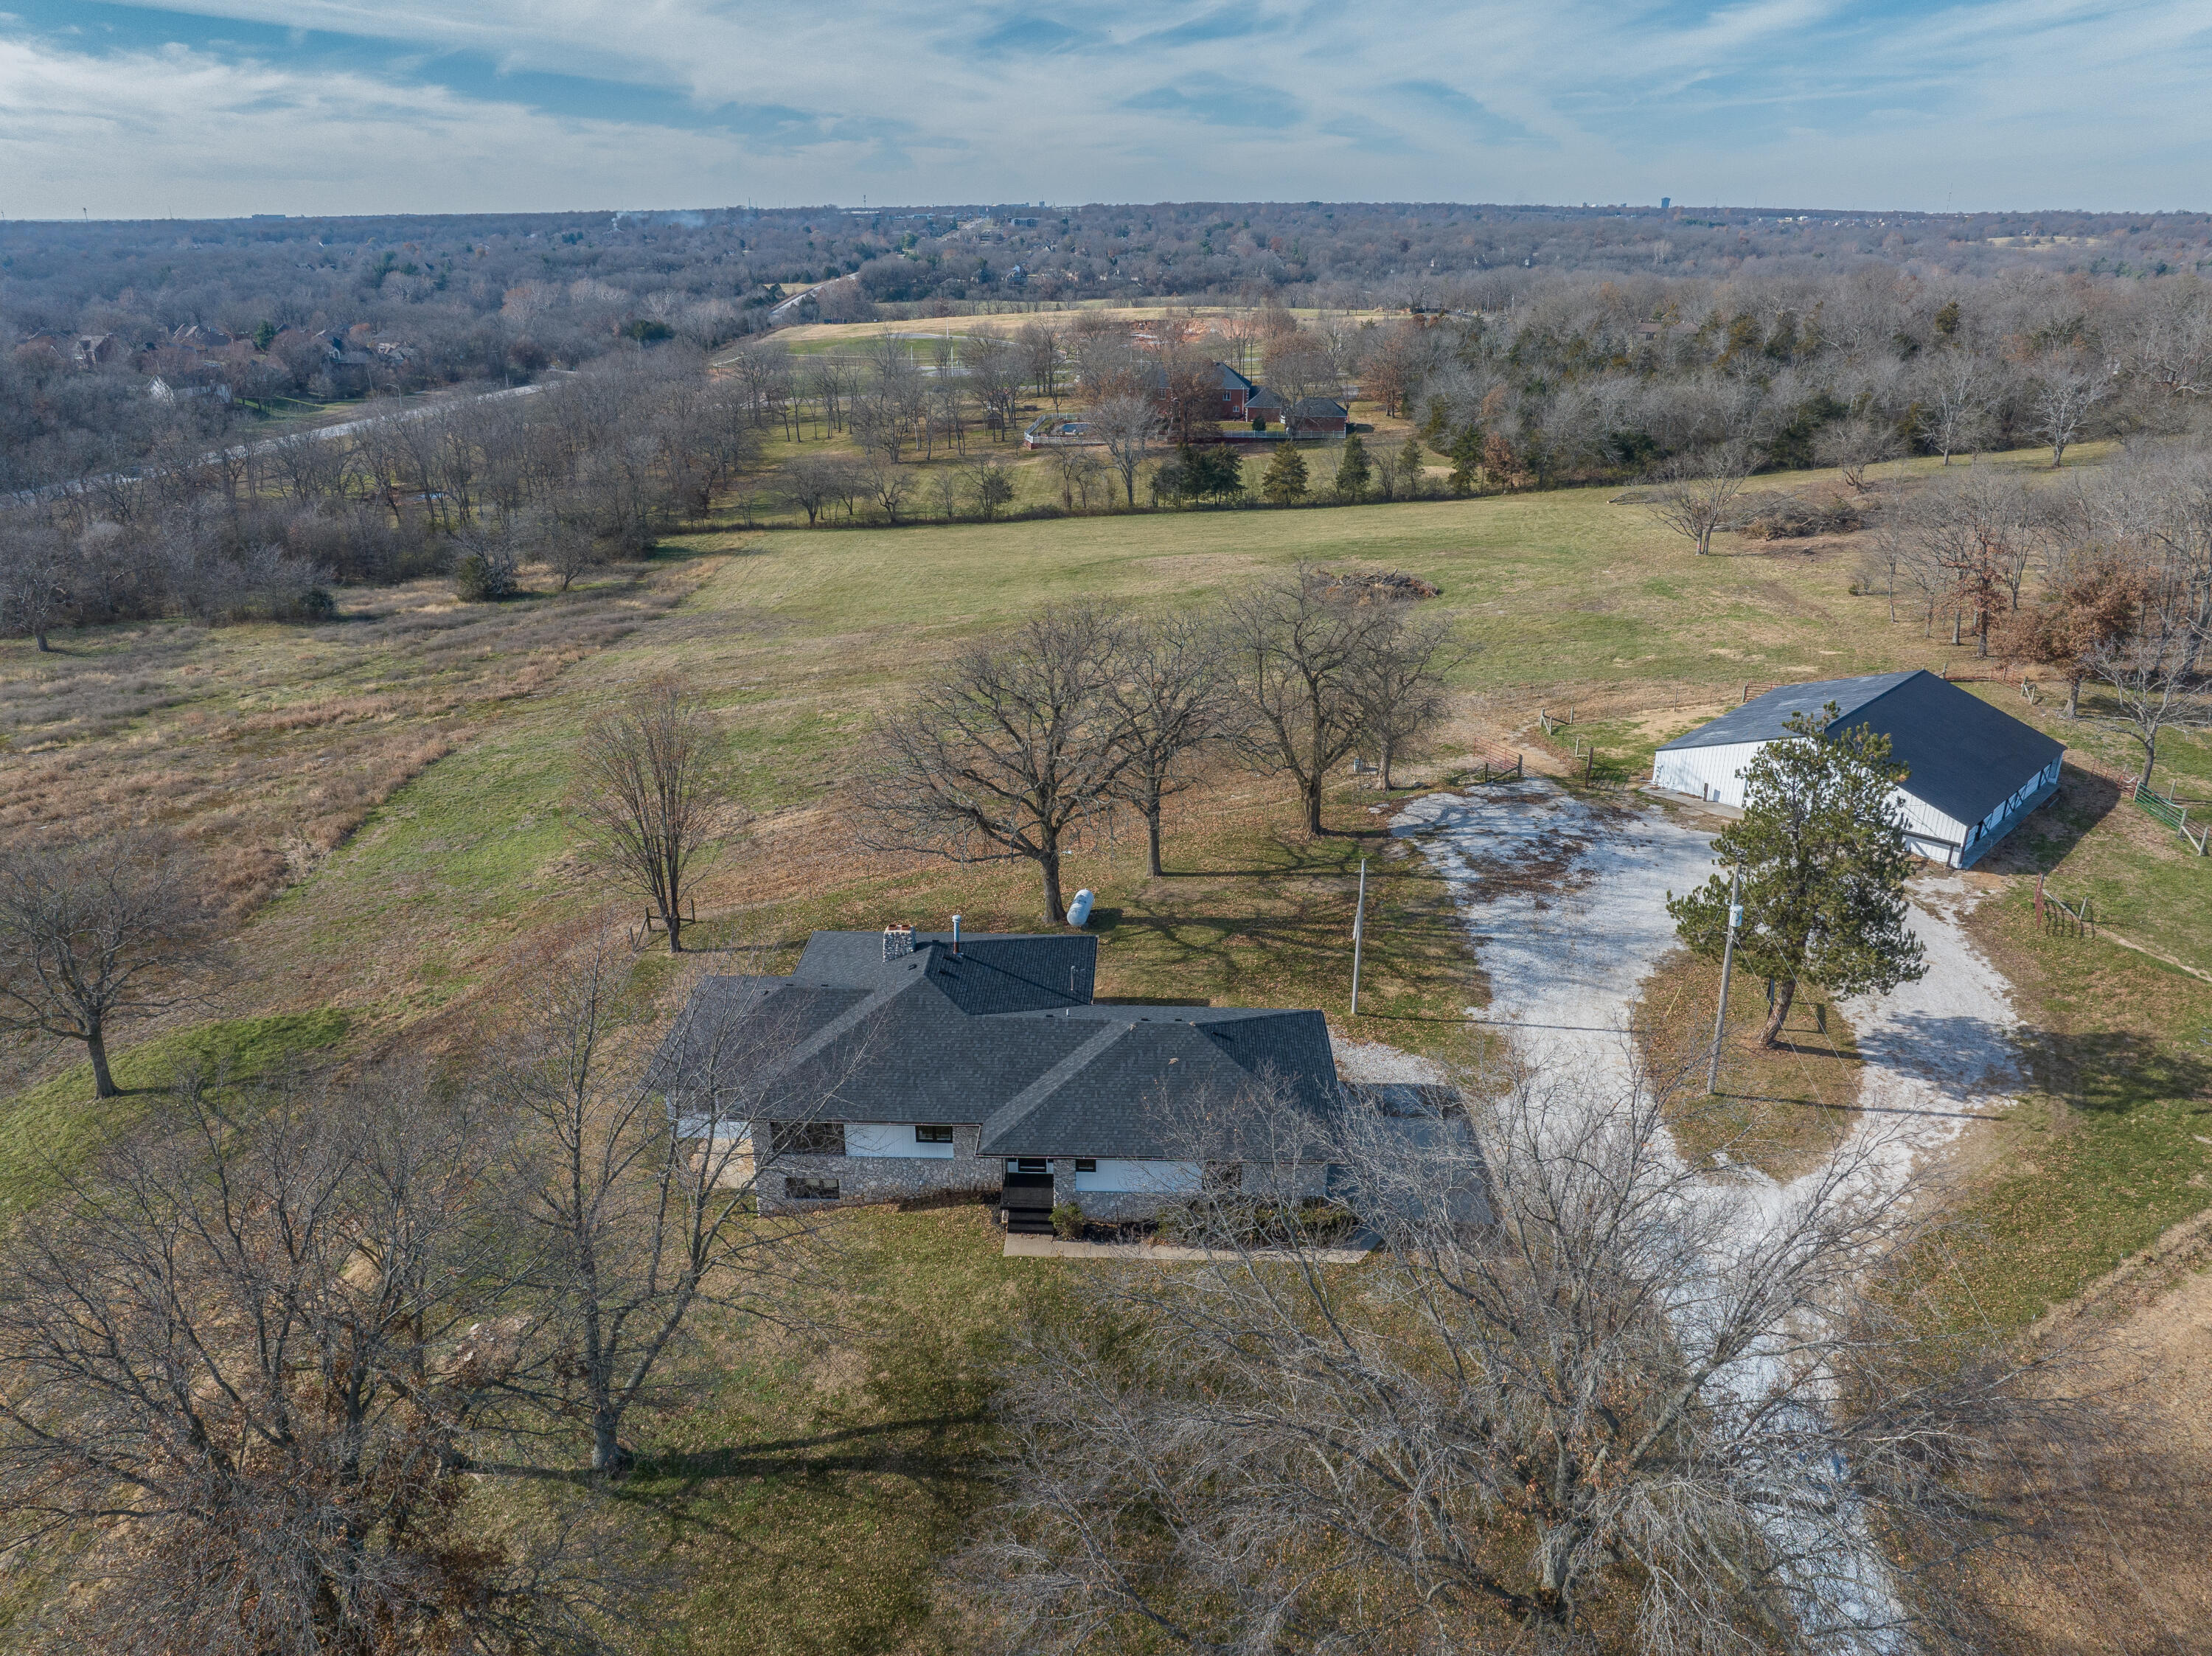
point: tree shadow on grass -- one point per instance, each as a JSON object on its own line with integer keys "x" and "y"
{"x": 2115, "y": 1071}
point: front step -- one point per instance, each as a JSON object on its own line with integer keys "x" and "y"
{"x": 1028, "y": 1221}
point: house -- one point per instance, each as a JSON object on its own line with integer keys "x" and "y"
{"x": 93, "y": 350}
{"x": 1974, "y": 771}
{"x": 1235, "y": 392}
{"x": 346, "y": 360}
{"x": 1318, "y": 416}
{"x": 901, "y": 1065}
{"x": 163, "y": 391}
{"x": 1264, "y": 405}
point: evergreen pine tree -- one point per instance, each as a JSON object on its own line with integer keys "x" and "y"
{"x": 1353, "y": 473}
{"x": 1285, "y": 478}
{"x": 1411, "y": 458}
{"x": 1466, "y": 461}
{"x": 1824, "y": 857}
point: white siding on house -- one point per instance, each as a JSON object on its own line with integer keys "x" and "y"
{"x": 1162, "y": 1178}
{"x": 890, "y": 1138}
{"x": 726, "y": 1131}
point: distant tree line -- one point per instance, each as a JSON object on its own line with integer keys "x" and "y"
{"x": 320, "y": 307}
{"x": 222, "y": 524}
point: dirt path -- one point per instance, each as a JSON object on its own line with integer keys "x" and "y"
{"x": 1565, "y": 903}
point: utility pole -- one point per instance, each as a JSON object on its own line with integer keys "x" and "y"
{"x": 1728, "y": 964}
{"x": 1358, "y": 927}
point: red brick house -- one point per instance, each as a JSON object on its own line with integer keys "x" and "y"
{"x": 1318, "y": 416}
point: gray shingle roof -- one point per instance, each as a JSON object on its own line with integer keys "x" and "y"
{"x": 1963, "y": 756}
{"x": 984, "y": 1037}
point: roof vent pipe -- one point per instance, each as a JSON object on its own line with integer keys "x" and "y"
{"x": 955, "y": 934}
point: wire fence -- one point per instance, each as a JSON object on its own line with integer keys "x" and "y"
{"x": 2054, "y": 914}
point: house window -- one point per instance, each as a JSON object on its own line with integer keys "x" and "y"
{"x": 806, "y": 1137}
{"x": 1086, "y": 1164}
{"x": 811, "y": 1190}
{"x": 1029, "y": 1164}
{"x": 933, "y": 1135}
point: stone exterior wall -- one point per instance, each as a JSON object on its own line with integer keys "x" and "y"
{"x": 865, "y": 1179}
{"x": 868, "y": 1179}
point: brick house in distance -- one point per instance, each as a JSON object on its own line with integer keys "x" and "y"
{"x": 1318, "y": 416}
{"x": 914, "y": 1065}
{"x": 1236, "y": 392}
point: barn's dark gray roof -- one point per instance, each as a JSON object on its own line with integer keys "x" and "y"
{"x": 1963, "y": 756}
{"x": 982, "y": 1036}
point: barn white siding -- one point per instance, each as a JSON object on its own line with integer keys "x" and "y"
{"x": 890, "y": 1138}
{"x": 1716, "y": 773}
{"x": 1153, "y": 1177}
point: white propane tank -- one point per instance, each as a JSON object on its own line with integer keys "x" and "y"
{"x": 1079, "y": 912}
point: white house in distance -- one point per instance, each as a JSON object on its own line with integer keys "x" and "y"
{"x": 1973, "y": 771}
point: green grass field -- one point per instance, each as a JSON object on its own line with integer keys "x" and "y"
{"x": 51, "y": 1131}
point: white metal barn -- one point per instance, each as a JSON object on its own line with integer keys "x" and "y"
{"x": 1973, "y": 771}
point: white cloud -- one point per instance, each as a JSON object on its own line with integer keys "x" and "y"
{"x": 1993, "y": 102}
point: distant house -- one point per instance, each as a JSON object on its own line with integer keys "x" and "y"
{"x": 1235, "y": 392}
{"x": 45, "y": 348}
{"x": 1973, "y": 771}
{"x": 346, "y": 360}
{"x": 932, "y": 1065}
{"x": 93, "y": 350}
{"x": 1264, "y": 405}
{"x": 1318, "y": 416}
{"x": 203, "y": 337}
{"x": 163, "y": 391}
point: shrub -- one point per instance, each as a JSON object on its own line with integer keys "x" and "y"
{"x": 1067, "y": 1221}
{"x": 483, "y": 577}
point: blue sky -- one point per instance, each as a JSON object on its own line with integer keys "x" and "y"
{"x": 230, "y": 106}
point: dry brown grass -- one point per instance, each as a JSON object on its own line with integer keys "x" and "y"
{"x": 267, "y": 745}
{"x": 1779, "y": 1109}
{"x": 2118, "y": 1559}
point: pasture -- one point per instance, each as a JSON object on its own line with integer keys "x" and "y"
{"x": 435, "y": 878}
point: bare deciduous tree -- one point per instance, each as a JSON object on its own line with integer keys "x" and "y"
{"x": 2062, "y": 392}
{"x": 95, "y": 933}
{"x": 1696, "y": 494}
{"x": 640, "y": 1181}
{"x": 1296, "y": 654}
{"x": 651, "y": 788}
{"x": 813, "y": 480}
{"x": 888, "y": 484}
{"x": 35, "y": 578}
{"x": 1129, "y": 426}
{"x": 1853, "y": 445}
{"x": 1012, "y": 752}
{"x": 1175, "y": 700}
{"x": 990, "y": 484}
{"x": 239, "y": 1401}
{"x": 1953, "y": 401}
{"x": 1581, "y": 1397}
{"x": 1080, "y": 471}
{"x": 2150, "y": 669}
{"x": 1398, "y": 683}
{"x": 1040, "y": 356}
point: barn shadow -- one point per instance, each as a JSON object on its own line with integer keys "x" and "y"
{"x": 2049, "y": 835}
